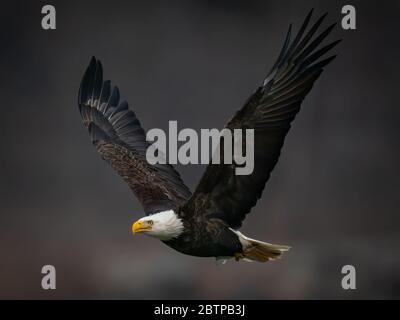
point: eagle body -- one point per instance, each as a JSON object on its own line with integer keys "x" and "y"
{"x": 205, "y": 223}
{"x": 206, "y": 239}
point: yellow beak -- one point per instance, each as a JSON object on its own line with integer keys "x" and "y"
{"x": 140, "y": 226}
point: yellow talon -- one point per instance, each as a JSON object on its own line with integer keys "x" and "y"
{"x": 239, "y": 256}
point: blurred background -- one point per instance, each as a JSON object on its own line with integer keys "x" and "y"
{"x": 333, "y": 197}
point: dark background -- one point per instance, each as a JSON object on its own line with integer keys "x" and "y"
{"x": 333, "y": 196}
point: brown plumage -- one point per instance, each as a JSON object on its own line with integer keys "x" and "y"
{"x": 121, "y": 141}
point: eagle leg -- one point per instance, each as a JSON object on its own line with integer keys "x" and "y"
{"x": 239, "y": 256}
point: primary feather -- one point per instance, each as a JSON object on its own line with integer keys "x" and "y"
{"x": 270, "y": 111}
{"x": 120, "y": 140}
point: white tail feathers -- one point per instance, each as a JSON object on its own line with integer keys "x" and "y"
{"x": 254, "y": 250}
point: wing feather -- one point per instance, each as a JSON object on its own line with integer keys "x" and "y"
{"x": 120, "y": 140}
{"x": 270, "y": 111}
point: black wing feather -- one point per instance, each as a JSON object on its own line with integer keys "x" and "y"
{"x": 120, "y": 139}
{"x": 270, "y": 111}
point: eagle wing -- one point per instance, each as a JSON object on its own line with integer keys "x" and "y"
{"x": 120, "y": 140}
{"x": 269, "y": 111}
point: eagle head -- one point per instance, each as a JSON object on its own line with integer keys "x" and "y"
{"x": 164, "y": 225}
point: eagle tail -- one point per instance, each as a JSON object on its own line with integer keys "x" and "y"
{"x": 254, "y": 250}
{"x": 264, "y": 252}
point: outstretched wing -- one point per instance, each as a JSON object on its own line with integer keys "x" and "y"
{"x": 269, "y": 111}
{"x": 120, "y": 140}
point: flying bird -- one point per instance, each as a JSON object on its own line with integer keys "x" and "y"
{"x": 206, "y": 223}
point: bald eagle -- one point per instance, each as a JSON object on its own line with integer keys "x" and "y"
{"x": 206, "y": 223}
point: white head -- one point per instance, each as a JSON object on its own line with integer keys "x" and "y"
{"x": 164, "y": 225}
